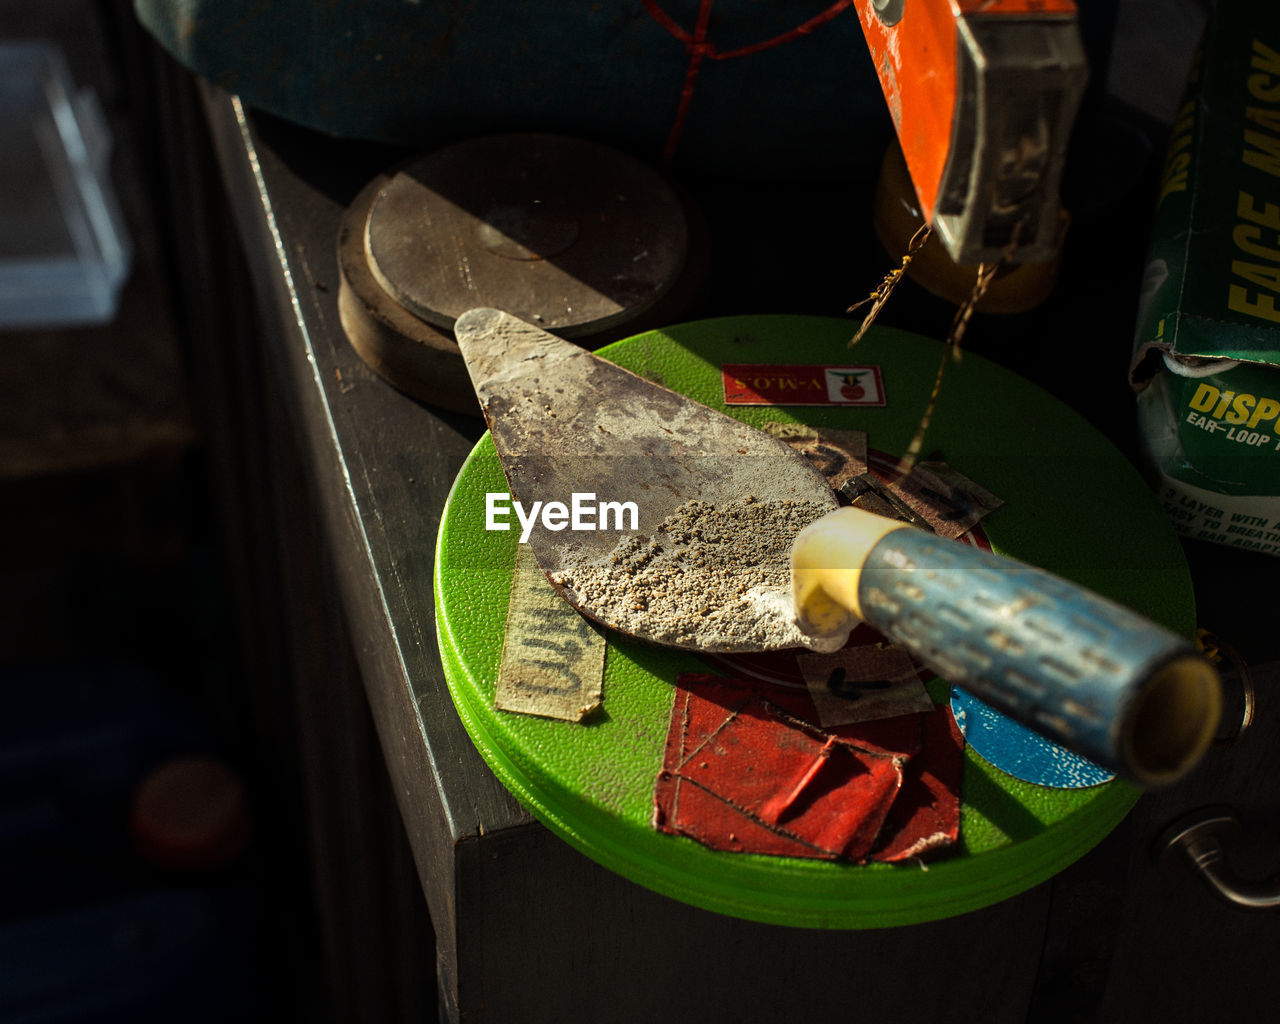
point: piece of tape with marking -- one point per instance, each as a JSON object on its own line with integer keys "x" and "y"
{"x": 863, "y": 684}
{"x": 948, "y": 500}
{"x": 552, "y": 658}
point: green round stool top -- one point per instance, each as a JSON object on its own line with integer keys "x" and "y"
{"x": 1073, "y": 505}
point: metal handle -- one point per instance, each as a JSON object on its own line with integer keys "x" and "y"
{"x": 1199, "y": 839}
{"x": 1070, "y": 664}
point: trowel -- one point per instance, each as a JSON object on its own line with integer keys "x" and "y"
{"x": 579, "y": 437}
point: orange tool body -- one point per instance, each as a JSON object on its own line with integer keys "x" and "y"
{"x": 982, "y": 94}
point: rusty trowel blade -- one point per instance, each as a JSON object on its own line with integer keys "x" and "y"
{"x": 567, "y": 422}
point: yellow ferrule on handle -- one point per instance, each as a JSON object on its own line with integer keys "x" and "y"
{"x": 826, "y": 564}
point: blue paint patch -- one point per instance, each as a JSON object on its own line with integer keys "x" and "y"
{"x": 1017, "y": 750}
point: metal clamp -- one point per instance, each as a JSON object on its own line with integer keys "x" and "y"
{"x": 1200, "y": 839}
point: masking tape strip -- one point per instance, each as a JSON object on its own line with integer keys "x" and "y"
{"x": 552, "y": 658}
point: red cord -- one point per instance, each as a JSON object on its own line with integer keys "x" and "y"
{"x": 698, "y": 49}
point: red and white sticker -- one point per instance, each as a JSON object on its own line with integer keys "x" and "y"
{"x": 791, "y": 384}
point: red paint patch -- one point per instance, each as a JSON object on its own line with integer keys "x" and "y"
{"x": 747, "y": 770}
{"x": 926, "y": 815}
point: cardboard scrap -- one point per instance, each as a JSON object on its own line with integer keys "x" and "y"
{"x": 839, "y": 455}
{"x": 863, "y": 683}
{"x": 552, "y": 658}
{"x": 932, "y": 494}
{"x": 871, "y": 494}
{"x": 948, "y": 501}
{"x": 746, "y": 769}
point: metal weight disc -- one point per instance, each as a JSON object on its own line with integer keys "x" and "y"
{"x": 571, "y": 235}
{"x": 421, "y": 360}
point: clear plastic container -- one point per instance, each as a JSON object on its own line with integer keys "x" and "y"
{"x": 64, "y": 250}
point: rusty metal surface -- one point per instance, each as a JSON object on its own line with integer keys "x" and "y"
{"x": 566, "y": 421}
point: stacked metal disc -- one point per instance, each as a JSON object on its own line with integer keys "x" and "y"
{"x": 574, "y": 236}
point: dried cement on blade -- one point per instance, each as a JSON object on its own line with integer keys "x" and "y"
{"x": 712, "y": 577}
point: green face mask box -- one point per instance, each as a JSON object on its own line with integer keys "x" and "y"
{"x": 1206, "y": 361}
